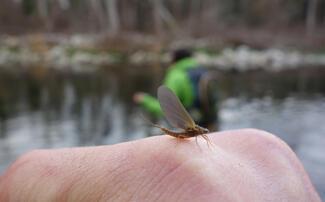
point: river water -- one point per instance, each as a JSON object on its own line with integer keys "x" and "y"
{"x": 50, "y": 109}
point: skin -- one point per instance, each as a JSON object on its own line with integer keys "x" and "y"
{"x": 138, "y": 97}
{"x": 242, "y": 165}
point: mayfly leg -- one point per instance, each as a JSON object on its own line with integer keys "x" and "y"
{"x": 209, "y": 143}
{"x": 196, "y": 141}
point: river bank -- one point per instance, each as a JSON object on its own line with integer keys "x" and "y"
{"x": 88, "y": 52}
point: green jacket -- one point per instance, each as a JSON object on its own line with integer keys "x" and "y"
{"x": 177, "y": 79}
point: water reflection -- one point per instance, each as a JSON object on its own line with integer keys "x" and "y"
{"x": 52, "y": 109}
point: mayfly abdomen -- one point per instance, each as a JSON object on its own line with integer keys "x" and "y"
{"x": 181, "y": 134}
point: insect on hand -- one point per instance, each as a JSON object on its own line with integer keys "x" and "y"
{"x": 178, "y": 117}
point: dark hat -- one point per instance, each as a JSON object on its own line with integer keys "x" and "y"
{"x": 181, "y": 54}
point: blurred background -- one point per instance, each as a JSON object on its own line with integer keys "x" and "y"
{"x": 69, "y": 69}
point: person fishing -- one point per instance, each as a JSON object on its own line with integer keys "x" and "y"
{"x": 190, "y": 82}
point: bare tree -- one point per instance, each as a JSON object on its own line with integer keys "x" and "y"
{"x": 64, "y": 4}
{"x": 42, "y": 8}
{"x": 157, "y": 18}
{"x": 311, "y": 18}
{"x": 43, "y": 11}
{"x": 99, "y": 12}
{"x": 113, "y": 16}
{"x": 163, "y": 14}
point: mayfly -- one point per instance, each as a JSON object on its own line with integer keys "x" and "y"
{"x": 178, "y": 117}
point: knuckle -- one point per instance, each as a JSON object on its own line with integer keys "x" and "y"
{"x": 269, "y": 151}
{"x": 262, "y": 139}
{"x": 273, "y": 157}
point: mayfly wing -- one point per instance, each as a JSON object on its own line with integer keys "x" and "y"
{"x": 174, "y": 111}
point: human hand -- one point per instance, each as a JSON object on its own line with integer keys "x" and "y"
{"x": 138, "y": 97}
{"x": 242, "y": 165}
